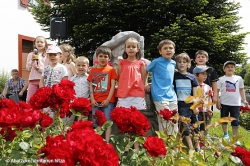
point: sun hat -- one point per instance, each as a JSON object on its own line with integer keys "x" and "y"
{"x": 229, "y": 62}
{"x": 53, "y": 49}
{"x": 200, "y": 69}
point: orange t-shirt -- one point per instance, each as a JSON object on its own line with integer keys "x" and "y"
{"x": 130, "y": 83}
{"x": 101, "y": 80}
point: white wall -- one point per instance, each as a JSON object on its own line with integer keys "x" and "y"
{"x": 15, "y": 20}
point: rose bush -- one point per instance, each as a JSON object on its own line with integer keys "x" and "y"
{"x": 27, "y": 132}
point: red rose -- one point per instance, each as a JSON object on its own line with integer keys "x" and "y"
{"x": 155, "y": 146}
{"x": 9, "y": 117}
{"x": 8, "y": 134}
{"x": 100, "y": 117}
{"x": 64, "y": 110}
{"x": 82, "y": 124}
{"x": 167, "y": 114}
{"x": 81, "y": 104}
{"x": 64, "y": 90}
{"x": 40, "y": 99}
{"x": 243, "y": 154}
{"x": 46, "y": 121}
{"x": 130, "y": 120}
{"x": 29, "y": 119}
{"x": 7, "y": 103}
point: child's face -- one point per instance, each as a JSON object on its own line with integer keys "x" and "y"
{"x": 81, "y": 67}
{"x": 53, "y": 58}
{"x": 131, "y": 48}
{"x": 103, "y": 59}
{"x": 182, "y": 65}
{"x": 201, "y": 59}
{"x": 167, "y": 51}
{"x": 64, "y": 55}
{"x": 40, "y": 44}
{"x": 202, "y": 76}
{"x": 229, "y": 69}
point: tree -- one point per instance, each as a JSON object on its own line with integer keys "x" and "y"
{"x": 192, "y": 25}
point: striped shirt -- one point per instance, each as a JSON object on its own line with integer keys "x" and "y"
{"x": 13, "y": 87}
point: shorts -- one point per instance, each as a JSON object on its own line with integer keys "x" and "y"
{"x": 106, "y": 110}
{"x": 234, "y": 111}
{"x": 172, "y": 129}
{"x": 138, "y": 102}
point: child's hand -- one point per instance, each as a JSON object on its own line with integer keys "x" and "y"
{"x": 105, "y": 103}
{"x": 94, "y": 103}
{"x": 210, "y": 113}
{"x": 196, "y": 111}
{"x": 246, "y": 103}
{"x": 218, "y": 105}
{"x": 147, "y": 88}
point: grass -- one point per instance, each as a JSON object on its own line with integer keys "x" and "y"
{"x": 218, "y": 132}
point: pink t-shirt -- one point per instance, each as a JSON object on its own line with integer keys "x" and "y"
{"x": 130, "y": 83}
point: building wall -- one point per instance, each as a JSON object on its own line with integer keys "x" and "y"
{"x": 15, "y": 20}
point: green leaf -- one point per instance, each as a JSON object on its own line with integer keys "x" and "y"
{"x": 24, "y": 146}
{"x": 181, "y": 162}
{"x": 247, "y": 143}
{"x": 107, "y": 124}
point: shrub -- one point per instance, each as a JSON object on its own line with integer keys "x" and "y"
{"x": 4, "y": 76}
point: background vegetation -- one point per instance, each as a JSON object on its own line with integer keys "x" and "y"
{"x": 4, "y": 76}
{"x": 195, "y": 24}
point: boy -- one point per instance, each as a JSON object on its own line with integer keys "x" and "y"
{"x": 15, "y": 85}
{"x": 80, "y": 78}
{"x": 232, "y": 88}
{"x": 162, "y": 90}
{"x": 201, "y": 58}
{"x": 185, "y": 85}
{"x": 102, "y": 86}
{"x": 201, "y": 73}
{"x": 54, "y": 72}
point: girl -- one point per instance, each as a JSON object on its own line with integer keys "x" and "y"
{"x": 68, "y": 59}
{"x": 35, "y": 65}
{"x": 131, "y": 77}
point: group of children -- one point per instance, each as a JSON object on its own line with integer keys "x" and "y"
{"x": 169, "y": 87}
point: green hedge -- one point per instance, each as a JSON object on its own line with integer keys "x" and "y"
{"x": 244, "y": 120}
{"x": 4, "y": 76}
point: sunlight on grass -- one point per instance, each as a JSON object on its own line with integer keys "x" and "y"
{"x": 218, "y": 132}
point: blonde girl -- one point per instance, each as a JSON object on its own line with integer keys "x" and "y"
{"x": 131, "y": 77}
{"x": 68, "y": 59}
{"x": 36, "y": 65}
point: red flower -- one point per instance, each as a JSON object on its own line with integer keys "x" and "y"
{"x": 29, "y": 119}
{"x": 9, "y": 117}
{"x": 8, "y": 134}
{"x": 46, "y": 121}
{"x": 155, "y": 146}
{"x": 65, "y": 110}
{"x": 40, "y": 99}
{"x": 7, "y": 103}
{"x": 166, "y": 114}
{"x": 100, "y": 117}
{"x": 243, "y": 154}
{"x": 81, "y": 104}
{"x": 130, "y": 120}
{"x": 244, "y": 109}
{"x": 82, "y": 124}
{"x": 64, "y": 90}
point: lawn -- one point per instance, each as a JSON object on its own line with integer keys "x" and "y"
{"x": 218, "y": 132}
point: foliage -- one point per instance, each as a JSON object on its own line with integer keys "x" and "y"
{"x": 4, "y": 76}
{"x": 200, "y": 24}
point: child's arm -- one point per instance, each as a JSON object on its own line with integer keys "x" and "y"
{"x": 41, "y": 83}
{"x": 218, "y": 105}
{"x": 72, "y": 68}
{"x": 65, "y": 78}
{"x": 243, "y": 96}
{"x": 92, "y": 98}
{"x": 105, "y": 103}
{"x": 119, "y": 69}
{"x": 215, "y": 92}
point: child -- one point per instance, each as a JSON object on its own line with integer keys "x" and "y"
{"x": 80, "y": 78}
{"x": 36, "y": 65}
{"x": 185, "y": 84}
{"x": 162, "y": 90}
{"x": 15, "y": 85}
{"x": 132, "y": 75}
{"x": 102, "y": 86}
{"x": 205, "y": 112}
{"x": 55, "y": 72}
{"x": 201, "y": 58}
{"x": 232, "y": 92}
{"x": 68, "y": 59}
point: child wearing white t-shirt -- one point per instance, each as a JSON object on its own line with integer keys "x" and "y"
{"x": 54, "y": 72}
{"x": 232, "y": 92}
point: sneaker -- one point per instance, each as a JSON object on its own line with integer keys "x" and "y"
{"x": 237, "y": 143}
{"x": 227, "y": 138}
